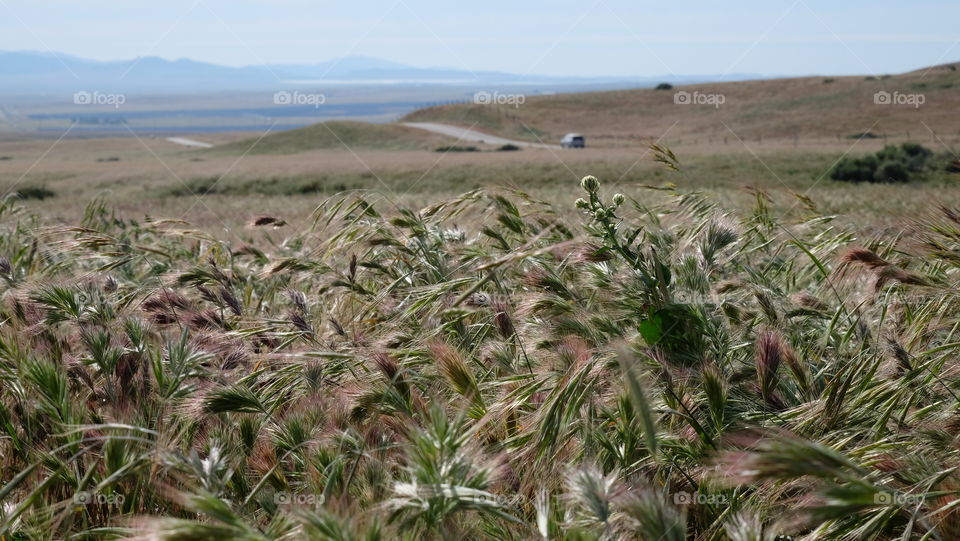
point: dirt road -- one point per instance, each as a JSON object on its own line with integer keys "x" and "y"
{"x": 466, "y": 134}
{"x": 189, "y": 142}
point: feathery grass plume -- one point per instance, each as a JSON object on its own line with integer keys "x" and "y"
{"x": 454, "y": 369}
{"x": 663, "y": 155}
{"x": 799, "y": 368}
{"x": 323, "y": 525}
{"x": 412, "y": 399}
{"x": 337, "y": 327}
{"x": 945, "y": 507}
{"x": 298, "y": 299}
{"x": 591, "y": 253}
{"x": 864, "y": 257}
{"x": 809, "y": 302}
{"x": 236, "y": 398}
{"x": 167, "y": 307}
{"x": 650, "y": 516}
{"x": 205, "y": 319}
{"x": 842, "y": 498}
{"x": 446, "y": 476}
{"x": 747, "y": 527}
{"x": 207, "y": 294}
{"x": 299, "y": 321}
{"x": 727, "y": 286}
{"x": 769, "y": 353}
{"x": 716, "y": 391}
{"x": 891, "y": 273}
{"x": 636, "y": 388}
{"x": 502, "y": 319}
{"x": 593, "y": 494}
{"x": 228, "y": 298}
{"x": 719, "y": 233}
{"x": 767, "y": 305}
{"x": 899, "y": 354}
{"x": 223, "y": 522}
{"x": 6, "y": 268}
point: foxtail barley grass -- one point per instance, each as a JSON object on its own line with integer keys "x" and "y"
{"x": 481, "y": 369}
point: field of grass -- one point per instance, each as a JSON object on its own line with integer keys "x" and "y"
{"x": 222, "y": 191}
{"x": 654, "y": 366}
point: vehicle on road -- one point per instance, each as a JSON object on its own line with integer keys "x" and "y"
{"x": 573, "y": 140}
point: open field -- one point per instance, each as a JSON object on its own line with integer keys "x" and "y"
{"x": 227, "y": 185}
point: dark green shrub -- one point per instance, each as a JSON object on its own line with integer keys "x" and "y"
{"x": 891, "y": 171}
{"x": 453, "y": 148}
{"x": 916, "y": 149}
{"x": 508, "y": 148}
{"x": 891, "y": 164}
{"x": 664, "y": 86}
{"x": 35, "y": 192}
{"x": 855, "y": 169}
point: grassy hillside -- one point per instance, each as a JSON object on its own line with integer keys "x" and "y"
{"x": 339, "y": 135}
{"x": 805, "y": 108}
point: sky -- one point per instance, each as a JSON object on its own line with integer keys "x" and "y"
{"x": 566, "y": 38}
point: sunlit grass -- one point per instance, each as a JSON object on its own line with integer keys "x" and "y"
{"x": 646, "y": 365}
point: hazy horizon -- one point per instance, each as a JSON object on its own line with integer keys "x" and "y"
{"x": 600, "y": 38}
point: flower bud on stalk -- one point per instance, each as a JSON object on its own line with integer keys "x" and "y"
{"x": 590, "y": 184}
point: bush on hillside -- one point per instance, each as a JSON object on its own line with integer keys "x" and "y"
{"x": 454, "y": 148}
{"x": 909, "y": 161}
{"x": 664, "y": 86}
{"x": 891, "y": 171}
{"x": 34, "y": 192}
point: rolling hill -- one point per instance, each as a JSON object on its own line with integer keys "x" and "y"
{"x": 793, "y": 108}
{"x": 338, "y": 135}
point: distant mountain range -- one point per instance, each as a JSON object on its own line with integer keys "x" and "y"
{"x": 33, "y": 73}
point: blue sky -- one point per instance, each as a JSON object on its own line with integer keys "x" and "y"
{"x": 588, "y": 37}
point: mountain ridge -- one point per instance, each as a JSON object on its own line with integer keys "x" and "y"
{"x": 31, "y": 71}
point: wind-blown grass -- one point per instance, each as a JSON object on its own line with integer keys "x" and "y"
{"x": 481, "y": 369}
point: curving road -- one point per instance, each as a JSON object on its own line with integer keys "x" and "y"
{"x": 189, "y": 142}
{"x": 467, "y": 134}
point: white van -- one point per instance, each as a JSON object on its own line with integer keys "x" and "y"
{"x": 573, "y": 140}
